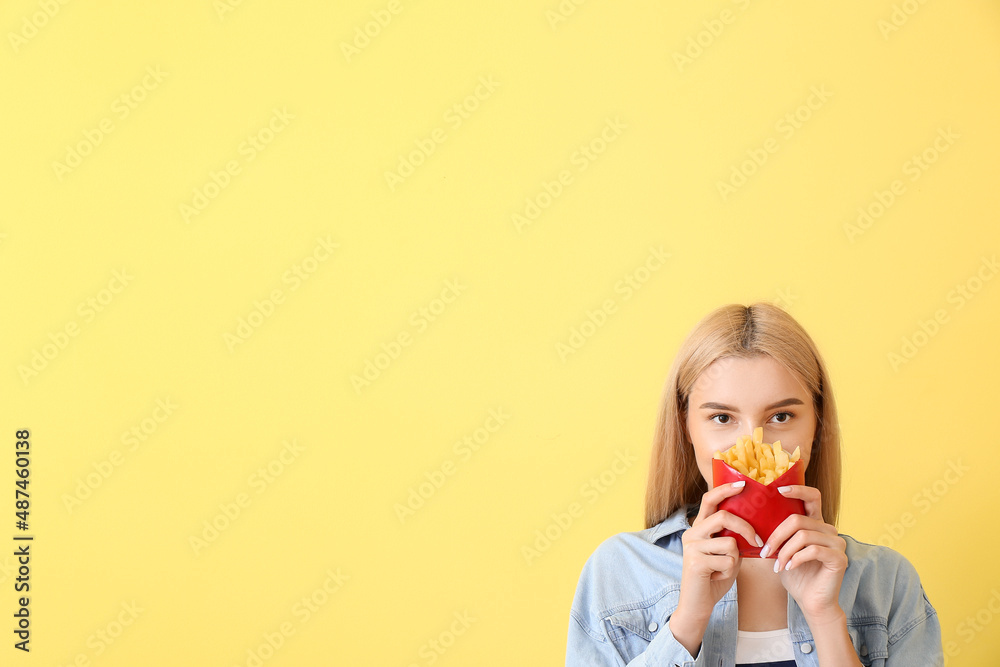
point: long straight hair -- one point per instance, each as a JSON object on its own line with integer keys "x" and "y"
{"x": 742, "y": 332}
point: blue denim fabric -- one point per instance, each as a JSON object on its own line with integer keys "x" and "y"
{"x": 630, "y": 586}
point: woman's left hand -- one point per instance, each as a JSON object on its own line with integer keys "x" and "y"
{"x": 812, "y": 560}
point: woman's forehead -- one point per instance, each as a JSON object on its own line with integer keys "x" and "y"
{"x": 748, "y": 377}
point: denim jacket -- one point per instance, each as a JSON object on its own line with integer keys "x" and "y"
{"x": 630, "y": 586}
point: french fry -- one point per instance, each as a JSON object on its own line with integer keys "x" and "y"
{"x": 781, "y": 460}
{"x": 758, "y": 460}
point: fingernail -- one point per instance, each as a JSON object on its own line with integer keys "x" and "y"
{"x": 760, "y": 542}
{"x": 776, "y": 567}
{"x": 765, "y": 551}
{"x": 740, "y": 484}
{"x": 788, "y": 566}
{"x": 784, "y": 489}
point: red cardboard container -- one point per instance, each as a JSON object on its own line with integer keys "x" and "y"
{"x": 762, "y": 506}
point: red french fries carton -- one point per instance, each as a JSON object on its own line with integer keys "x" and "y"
{"x": 761, "y": 505}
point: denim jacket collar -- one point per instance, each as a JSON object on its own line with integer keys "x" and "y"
{"x": 674, "y": 523}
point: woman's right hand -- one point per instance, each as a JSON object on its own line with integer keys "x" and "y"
{"x": 710, "y": 565}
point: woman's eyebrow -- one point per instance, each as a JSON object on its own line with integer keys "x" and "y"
{"x": 779, "y": 404}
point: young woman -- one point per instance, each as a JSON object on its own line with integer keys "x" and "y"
{"x": 677, "y": 593}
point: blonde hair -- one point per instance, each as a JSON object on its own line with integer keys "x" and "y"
{"x": 742, "y": 332}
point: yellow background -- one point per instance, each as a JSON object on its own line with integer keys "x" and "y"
{"x": 556, "y": 82}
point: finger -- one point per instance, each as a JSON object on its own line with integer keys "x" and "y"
{"x": 801, "y": 541}
{"x": 792, "y": 524}
{"x": 711, "y": 499}
{"x": 809, "y": 495}
{"x": 720, "y": 567}
{"x": 832, "y": 558}
{"x": 716, "y": 546}
{"x": 725, "y": 520}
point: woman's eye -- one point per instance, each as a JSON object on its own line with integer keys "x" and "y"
{"x": 788, "y": 415}
{"x": 725, "y": 419}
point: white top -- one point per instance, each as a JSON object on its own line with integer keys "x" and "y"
{"x": 768, "y": 646}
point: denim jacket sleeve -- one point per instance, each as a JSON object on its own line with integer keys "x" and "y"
{"x": 916, "y": 639}
{"x": 889, "y": 618}
{"x": 891, "y": 621}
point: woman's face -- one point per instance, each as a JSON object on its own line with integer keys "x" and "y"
{"x": 735, "y": 395}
